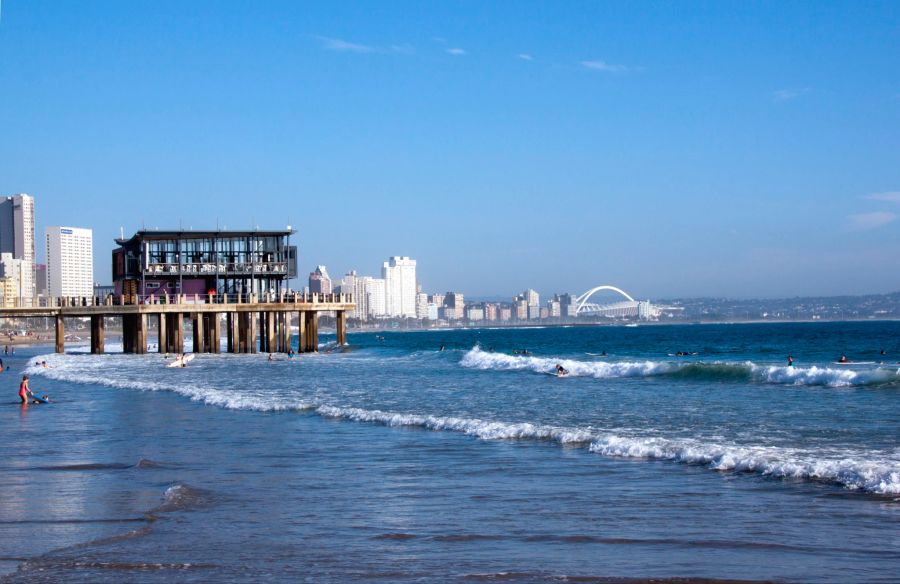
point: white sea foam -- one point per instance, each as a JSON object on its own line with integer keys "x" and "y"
{"x": 478, "y": 359}
{"x": 723, "y": 371}
{"x": 851, "y": 469}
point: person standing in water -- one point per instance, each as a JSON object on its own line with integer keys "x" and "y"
{"x": 790, "y": 360}
{"x": 24, "y": 390}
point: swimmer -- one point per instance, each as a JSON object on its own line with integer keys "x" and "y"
{"x": 843, "y": 359}
{"x": 24, "y": 390}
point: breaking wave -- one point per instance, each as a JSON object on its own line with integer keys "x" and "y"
{"x": 746, "y": 371}
{"x": 850, "y": 469}
{"x": 870, "y": 471}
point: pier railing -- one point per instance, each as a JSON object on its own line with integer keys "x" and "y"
{"x": 135, "y": 299}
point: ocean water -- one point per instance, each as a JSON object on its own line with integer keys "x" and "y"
{"x": 392, "y": 461}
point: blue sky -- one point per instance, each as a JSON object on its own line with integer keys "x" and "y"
{"x": 672, "y": 149}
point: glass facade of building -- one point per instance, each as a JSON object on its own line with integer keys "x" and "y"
{"x": 212, "y": 262}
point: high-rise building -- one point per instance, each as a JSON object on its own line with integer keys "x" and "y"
{"x": 399, "y": 274}
{"x": 490, "y": 311}
{"x": 567, "y": 306}
{"x": 504, "y": 313}
{"x": 374, "y": 288}
{"x": 553, "y": 308}
{"x": 17, "y": 236}
{"x": 320, "y": 281}
{"x": 474, "y": 313}
{"x": 40, "y": 280}
{"x": 353, "y": 284}
{"x": 437, "y": 299}
{"x": 14, "y": 274}
{"x": 532, "y": 297}
{"x": 520, "y": 308}
{"x": 70, "y": 261}
{"x": 454, "y": 305}
{"x": 421, "y": 305}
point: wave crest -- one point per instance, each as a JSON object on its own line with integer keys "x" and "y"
{"x": 746, "y": 371}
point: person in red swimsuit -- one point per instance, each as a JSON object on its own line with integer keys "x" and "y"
{"x": 24, "y": 390}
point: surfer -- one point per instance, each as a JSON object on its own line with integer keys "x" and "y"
{"x": 790, "y": 360}
{"x": 271, "y": 358}
{"x": 843, "y": 359}
{"x": 24, "y": 390}
{"x": 441, "y": 349}
{"x": 561, "y": 371}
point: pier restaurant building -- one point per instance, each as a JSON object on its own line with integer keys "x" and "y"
{"x": 158, "y": 264}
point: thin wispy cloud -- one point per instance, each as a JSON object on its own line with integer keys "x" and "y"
{"x": 332, "y": 44}
{"x": 598, "y": 65}
{"x": 873, "y": 220}
{"x": 344, "y": 46}
{"x": 790, "y": 93}
{"x": 456, "y": 51}
{"x": 525, "y": 57}
{"x": 891, "y": 197}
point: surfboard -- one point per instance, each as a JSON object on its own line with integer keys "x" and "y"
{"x": 552, "y": 374}
{"x": 40, "y": 399}
{"x": 855, "y": 363}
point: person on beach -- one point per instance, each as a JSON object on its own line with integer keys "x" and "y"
{"x": 790, "y": 360}
{"x": 24, "y": 390}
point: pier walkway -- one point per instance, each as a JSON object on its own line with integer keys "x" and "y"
{"x": 252, "y": 323}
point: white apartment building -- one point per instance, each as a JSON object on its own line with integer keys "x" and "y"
{"x": 14, "y": 273}
{"x": 70, "y": 261}
{"x": 532, "y": 297}
{"x": 17, "y": 237}
{"x": 355, "y": 285}
{"x": 399, "y": 274}
{"x": 375, "y": 296}
{"x": 421, "y": 305}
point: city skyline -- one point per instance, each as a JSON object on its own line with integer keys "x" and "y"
{"x": 731, "y": 153}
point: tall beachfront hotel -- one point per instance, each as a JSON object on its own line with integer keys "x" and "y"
{"x": 399, "y": 274}
{"x": 70, "y": 261}
{"x": 17, "y": 236}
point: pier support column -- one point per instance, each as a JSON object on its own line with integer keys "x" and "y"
{"x": 140, "y": 334}
{"x": 285, "y": 332}
{"x": 276, "y": 332}
{"x": 214, "y": 333}
{"x": 301, "y": 332}
{"x": 128, "y": 333}
{"x": 269, "y": 330}
{"x": 98, "y": 329}
{"x": 230, "y": 337}
{"x": 251, "y": 329}
{"x": 60, "y": 334}
{"x": 243, "y": 335}
{"x": 341, "y": 325}
{"x": 312, "y": 332}
{"x": 162, "y": 341}
{"x": 197, "y": 330}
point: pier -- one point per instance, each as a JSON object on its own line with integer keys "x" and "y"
{"x": 253, "y": 323}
